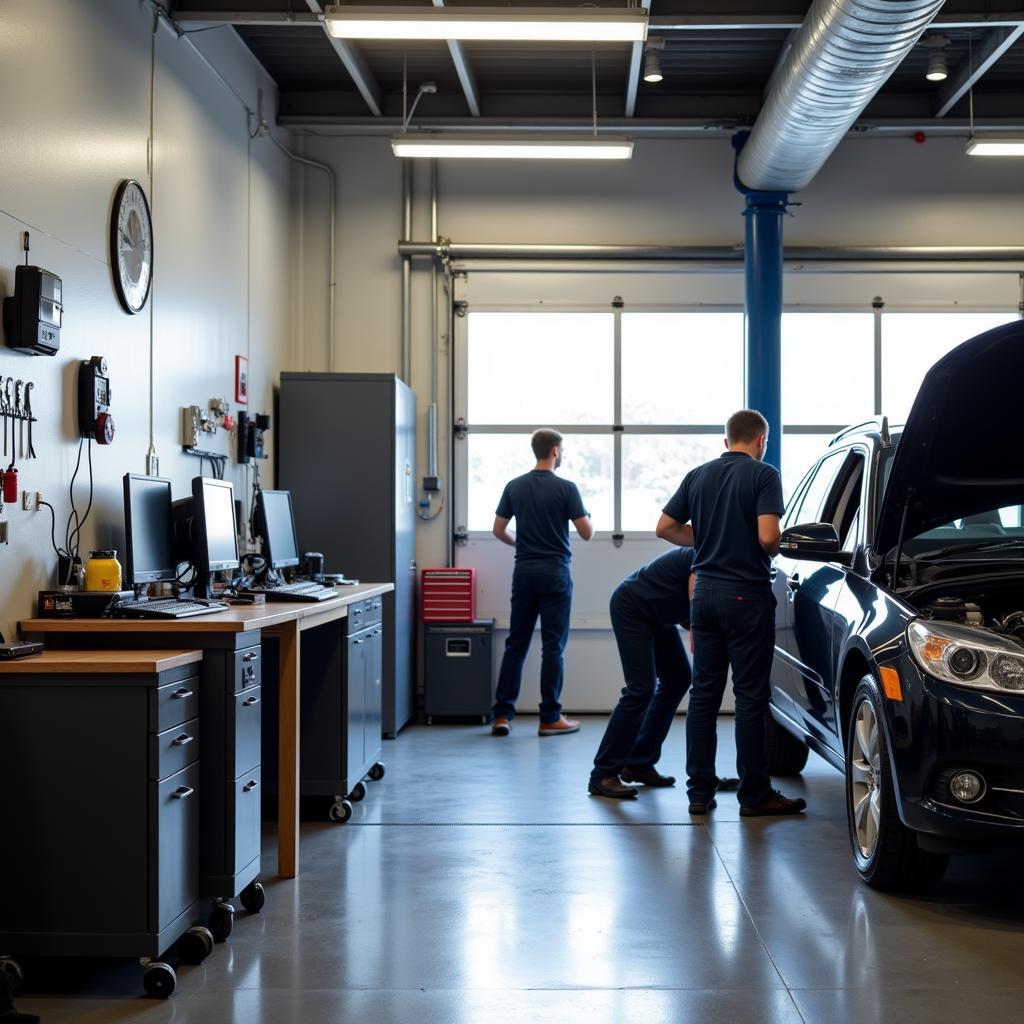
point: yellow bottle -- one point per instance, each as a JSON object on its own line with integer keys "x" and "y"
{"x": 103, "y": 571}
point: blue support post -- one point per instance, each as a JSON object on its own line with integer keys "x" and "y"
{"x": 763, "y": 296}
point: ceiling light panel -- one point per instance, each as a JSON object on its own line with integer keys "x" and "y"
{"x": 543, "y": 24}
{"x": 511, "y": 147}
{"x": 1010, "y": 146}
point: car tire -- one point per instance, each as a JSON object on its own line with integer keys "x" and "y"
{"x": 885, "y": 852}
{"x": 786, "y": 755}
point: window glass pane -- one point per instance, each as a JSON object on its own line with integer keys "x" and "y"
{"x": 913, "y": 342}
{"x": 494, "y": 459}
{"x": 839, "y": 343}
{"x": 653, "y": 466}
{"x": 540, "y": 369}
{"x": 681, "y": 367}
{"x": 799, "y": 452}
{"x": 812, "y": 499}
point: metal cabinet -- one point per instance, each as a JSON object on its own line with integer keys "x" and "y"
{"x": 100, "y": 813}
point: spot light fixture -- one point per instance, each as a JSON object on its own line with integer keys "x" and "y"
{"x": 652, "y": 60}
{"x": 936, "y": 45}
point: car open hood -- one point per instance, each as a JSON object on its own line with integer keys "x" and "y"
{"x": 962, "y": 449}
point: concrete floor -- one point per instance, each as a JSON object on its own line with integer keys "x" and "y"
{"x": 479, "y": 884}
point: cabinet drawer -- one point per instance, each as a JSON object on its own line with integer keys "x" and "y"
{"x": 247, "y": 800}
{"x": 247, "y": 669}
{"x": 248, "y": 715}
{"x": 175, "y": 875}
{"x": 174, "y": 703}
{"x": 173, "y": 749}
{"x": 357, "y": 616}
{"x": 375, "y": 611}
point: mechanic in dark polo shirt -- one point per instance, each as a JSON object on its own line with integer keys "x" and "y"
{"x": 542, "y": 505}
{"x": 734, "y": 504}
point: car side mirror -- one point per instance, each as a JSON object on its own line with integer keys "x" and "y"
{"x": 815, "y": 542}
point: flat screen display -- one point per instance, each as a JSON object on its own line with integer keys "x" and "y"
{"x": 218, "y": 514}
{"x": 280, "y": 546}
{"x": 149, "y": 547}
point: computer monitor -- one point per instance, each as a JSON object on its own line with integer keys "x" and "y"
{"x": 214, "y": 540}
{"x": 275, "y": 523}
{"x": 149, "y": 546}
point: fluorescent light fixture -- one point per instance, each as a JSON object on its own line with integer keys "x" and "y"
{"x": 994, "y": 145}
{"x": 511, "y": 147}
{"x": 937, "y": 66}
{"x": 535, "y": 24}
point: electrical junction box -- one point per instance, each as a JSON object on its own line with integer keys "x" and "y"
{"x": 33, "y": 314}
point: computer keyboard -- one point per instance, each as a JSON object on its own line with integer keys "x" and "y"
{"x": 304, "y": 590}
{"x": 163, "y": 608}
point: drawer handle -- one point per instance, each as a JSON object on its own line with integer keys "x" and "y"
{"x": 182, "y": 793}
{"x": 376, "y": 607}
{"x": 250, "y": 786}
{"x": 250, "y": 656}
{"x": 181, "y": 693}
{"x": 358, "y": 643}
{"x": 250, "y": 702}
{"x": 183, "y": 740}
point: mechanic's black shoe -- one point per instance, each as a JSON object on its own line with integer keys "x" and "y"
{"x": 703, "y": 806}
{"x": 648, "y": 777}
{"x": 775, "y": 804}
{"x": 501, "y": 727}
{"x": 610, "y": 786}
{"x": 726, "y": 785}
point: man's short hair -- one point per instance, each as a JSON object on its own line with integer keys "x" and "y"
{"x": 745, "y": 426}
{"x": 543, "y": 441}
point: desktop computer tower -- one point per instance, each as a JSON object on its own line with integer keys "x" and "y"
{"x": 347, "y": 452}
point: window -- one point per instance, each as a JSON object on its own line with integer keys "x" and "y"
{"x": 813, "y": 498}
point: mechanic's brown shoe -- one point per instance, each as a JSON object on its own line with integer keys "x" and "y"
{"x": 775, "y": 804}
{"x": 702, "y": 806}
{"x": 610, "y": 786}
{"x": 563, "y": 725}
{"x": 649, "y": 777}
{"x": 501, "y": 727}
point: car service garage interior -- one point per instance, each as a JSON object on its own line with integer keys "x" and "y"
{"x": 511, "y": 511}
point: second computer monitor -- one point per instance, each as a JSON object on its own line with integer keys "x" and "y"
{"x": 213, "y": 528}
{"x": 275, "y": 523}
{"x": 149, "y": 549}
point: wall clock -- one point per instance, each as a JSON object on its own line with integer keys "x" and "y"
{"x": 131, "y": 246}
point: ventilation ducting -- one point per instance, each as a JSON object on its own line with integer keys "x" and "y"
{"x": 841, "y": 56}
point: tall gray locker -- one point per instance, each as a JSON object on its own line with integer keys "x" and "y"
{"x": 347, "y": 452}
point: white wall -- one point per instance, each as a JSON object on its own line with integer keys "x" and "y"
{"x": 872, "y": 192}
{"x": 75, "y": 75}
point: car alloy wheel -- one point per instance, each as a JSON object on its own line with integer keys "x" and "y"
{"x": 865, "y": 779}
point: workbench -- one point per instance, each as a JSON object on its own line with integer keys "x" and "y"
{"x": 238, "y": 628}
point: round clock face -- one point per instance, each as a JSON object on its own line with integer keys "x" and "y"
{"x": 131, "y": 246}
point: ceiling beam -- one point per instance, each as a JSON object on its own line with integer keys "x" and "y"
{"x": 355, "y": 65}
{"x": 636, "y": 63}
{"x": 465, "y": 72}
{"x": 246, "y": 19}
{"x": 994, "y": 45}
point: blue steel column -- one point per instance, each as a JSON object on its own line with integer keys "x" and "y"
{"x": 763, "y": 294}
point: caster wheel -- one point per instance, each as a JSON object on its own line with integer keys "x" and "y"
{"x": 484, "y": 719}
{"x": 358, "y": 792}
{"x": 159, "y": 981}
{"x": 340, "y": 811}
{"x": 195, "y": 945}
{"x": 376, "y": 773}
{"x": 430, "y": 719}
{"x": 253, "y": 897}
{"x": 12, "y": 973}
{"x": 222, "y": 920}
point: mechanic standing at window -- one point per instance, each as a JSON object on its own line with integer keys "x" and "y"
{"x": 734, "y": 504}
{"x": 542, "y": 505}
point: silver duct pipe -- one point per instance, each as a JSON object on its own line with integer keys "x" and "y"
{"x": 406, "y": 273}
{"x": 841, "y": 56}
{"x": 726, "y": 254}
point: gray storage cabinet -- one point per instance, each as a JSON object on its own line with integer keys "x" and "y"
{"x": 347, "y": 453}
{"x": 458, "y": 673}
{"x": 99, "y": 809}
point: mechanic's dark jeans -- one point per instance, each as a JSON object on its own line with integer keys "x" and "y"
{"x": 731, "y": 626}
{"x": 548, "y": 595}
{"x": 657, "y": 675}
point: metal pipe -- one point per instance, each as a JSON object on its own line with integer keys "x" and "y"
{"x": 725, "y": 254}
{"x": 406, "y": 273}
{"x": 434, "y": 339}
{"x": 763, "y": 320}
{"x": 449, "y": 280}
{"x": 843, "y": 53}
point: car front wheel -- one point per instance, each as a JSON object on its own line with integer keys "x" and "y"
{"x": 885, "y": 851}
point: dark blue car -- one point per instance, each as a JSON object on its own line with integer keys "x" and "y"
{"x": 899, "y": 655}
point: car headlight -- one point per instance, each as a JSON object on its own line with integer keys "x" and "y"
{"x": 966, "y": 656}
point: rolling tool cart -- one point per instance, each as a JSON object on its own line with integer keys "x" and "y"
{"x": 100, "y": 855}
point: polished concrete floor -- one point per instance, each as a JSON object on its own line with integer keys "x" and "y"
{"x": 479, "y": 884}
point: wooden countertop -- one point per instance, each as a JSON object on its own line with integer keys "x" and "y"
{"x": 237, "y": 619}
{"x": 98, "y": 662}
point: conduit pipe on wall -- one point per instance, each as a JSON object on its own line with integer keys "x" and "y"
{"x": 432, "y": 410}
{"x": 406, "y": 273}
{"x": 841, "y": 56}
